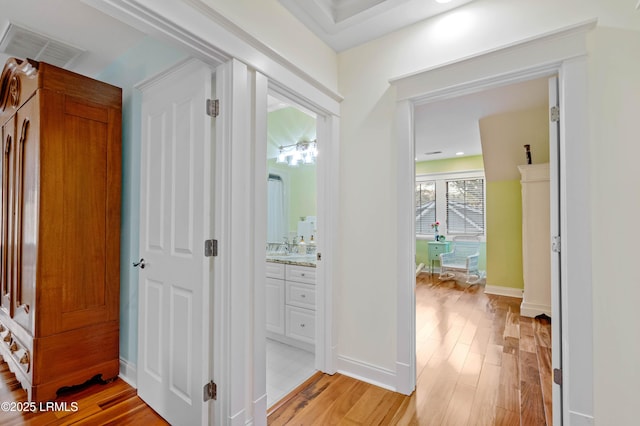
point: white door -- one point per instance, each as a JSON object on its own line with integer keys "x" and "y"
{"x": 175, "y": 219}
{"x": 554, "y": 187}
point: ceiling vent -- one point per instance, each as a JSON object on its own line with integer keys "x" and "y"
{"x": 23, "y": 43}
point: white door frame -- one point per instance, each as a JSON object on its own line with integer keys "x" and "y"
{"x": 564, "y": 53}
{"x": 327, "y": 213}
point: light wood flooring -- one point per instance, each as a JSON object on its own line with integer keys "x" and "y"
{"x": 114, "y": 403}
{"x": 478, "y": 363}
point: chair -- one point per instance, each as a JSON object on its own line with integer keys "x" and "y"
{"x": 462, "y": 259}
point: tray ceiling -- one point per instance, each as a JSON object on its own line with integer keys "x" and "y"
{"x": 343, "y": 24}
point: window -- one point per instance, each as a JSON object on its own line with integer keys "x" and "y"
{"x": 457, "y": 200}
{"x": 425, "y": 206}
{"x": 465, "y": 206}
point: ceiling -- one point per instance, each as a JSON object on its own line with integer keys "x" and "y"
{"x": 452, "y": 125}
{"x": 343, "y": 24}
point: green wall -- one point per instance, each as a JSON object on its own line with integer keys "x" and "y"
{"x": 301, "y": 190}
{"x": 504, "y": 234}
{"x": 141, "y": 62}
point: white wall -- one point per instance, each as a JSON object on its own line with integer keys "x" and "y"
{"x": 366, "y": 314}
{"x": 270, "y": 23}
{"x": 615, "y": 128}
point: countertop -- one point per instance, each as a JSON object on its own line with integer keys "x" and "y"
{"x": 293, "y": 259}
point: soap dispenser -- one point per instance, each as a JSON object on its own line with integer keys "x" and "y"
{"x": 302, "y": 246}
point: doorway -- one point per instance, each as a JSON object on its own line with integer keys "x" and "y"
{"x": 480, "y": 348}
{"x": 291, "y": 250}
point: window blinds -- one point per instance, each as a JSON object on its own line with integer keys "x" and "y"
{"x": 465, "y": 206}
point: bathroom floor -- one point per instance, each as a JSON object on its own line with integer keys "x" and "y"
{"x": 287, "y": 367}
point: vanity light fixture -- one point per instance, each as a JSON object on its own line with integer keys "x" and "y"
{"x": 302, "y": 152}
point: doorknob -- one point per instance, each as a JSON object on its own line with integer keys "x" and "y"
{"x": 140, "y": 264}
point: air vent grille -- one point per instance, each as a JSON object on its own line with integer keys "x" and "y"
{"x": 23, "y": 43}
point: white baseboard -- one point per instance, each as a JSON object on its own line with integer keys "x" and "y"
{"x": 128, "y": 373}
{"x": 259, "y": 410}
{"x": 405, "y": 378}
{"x": 503, "y": 291}
{"x": 532, "y": 310}
{"x": 238, "y": 419}
{"x": 580, "y": 419}
{"x": 367, "y": 373}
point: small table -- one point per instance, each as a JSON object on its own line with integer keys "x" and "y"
{"x": 435, "y": 249}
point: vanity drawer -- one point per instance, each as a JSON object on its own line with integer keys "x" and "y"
{"x": 301, "y": 324}
{"x": 301, "y": 295}
{"x": 275, "y": 270}
{"x": 301, "y": 274}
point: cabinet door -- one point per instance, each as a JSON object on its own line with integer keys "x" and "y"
{"x": 301, "y": 274}
{"x": 8, "y": 138}
{"x": 301, "y": 324}
{"x": 301, "y": 295}
{"x": 24, "y": 206}
{"x": 275, "y": 305}
{"x": 79, "y": 206}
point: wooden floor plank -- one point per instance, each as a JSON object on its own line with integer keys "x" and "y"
{"x": 338, "y": 410}
{"x": 93, "y": 403}
{"x": 531, "y": 403}
{"x": 459, "y": 409}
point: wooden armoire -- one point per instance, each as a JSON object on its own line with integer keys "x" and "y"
{"x": 60, "y": 226}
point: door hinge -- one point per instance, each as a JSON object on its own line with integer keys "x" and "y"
{"x": 555, "y": 244}
{"x": 210, "y": 391}
{"x": 557, "y": 376}
{"x": 210, "y": 248}
{"x": 554, "y": 114}
{"x": 213, "y": 107}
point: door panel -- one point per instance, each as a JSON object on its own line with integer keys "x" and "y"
{"x": 8, "y": 139}
{"x": 175, "y": 189}
{"x": 26, "y": 189}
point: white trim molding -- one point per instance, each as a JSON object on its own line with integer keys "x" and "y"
{"x": 128, "y": 372}
{"x": 367, "y": 372}
{"x": 532, "y": 310}
{"x": 214, "y": 39}
{"x": 499, "y": 290}
{"x": 580, "y": 419}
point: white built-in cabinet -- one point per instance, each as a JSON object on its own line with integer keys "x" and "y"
{"x": 291, "y": 304}
{"x": 536, "y": 240}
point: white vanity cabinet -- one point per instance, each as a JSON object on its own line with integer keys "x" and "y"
{"x": 291, "y": 304}
{"x": 274, "y": 295}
